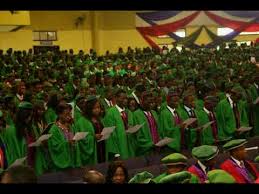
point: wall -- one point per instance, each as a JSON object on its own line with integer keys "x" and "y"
{"x": 103, "y": 30}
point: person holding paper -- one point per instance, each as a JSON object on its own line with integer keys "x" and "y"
{"x": 188, "y": 111}
{"x": 39, "y": 126}
{"x": 64, "y": 151}
{"x": 50, "y": 115}
{"x": 150, "y": 133}
{"x": 231, "y": 113}
{"x": 253, "y": 94}
{"x": 206, "y": 156}
{"x": 90, "y": 121}
{"x": 18, "y": 136}
{"x": 241, "y": 169}
{"x": 118, "y": 142}
{"x": 170, "y": 121}
{"x": 208, "y": 135}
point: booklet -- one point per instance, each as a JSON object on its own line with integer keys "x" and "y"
{"x": 189, "y": 121}
{"x": 80, "y": 135}
{"x": 244, "y": 129}
{"x": 134, "y": 129}
{"x": 206, "y": 125}
{"x": 18, "y": 162}
{"x": 252, "y": 148}
{"x": 106, "y": 132}
{"x": 39, "y": 140}
{"x": 164, "y": 142}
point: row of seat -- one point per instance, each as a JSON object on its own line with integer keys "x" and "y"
{"x": 134, "y": 165}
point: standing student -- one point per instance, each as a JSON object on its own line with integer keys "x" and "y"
{"x": 18, "y": 136}
{"x": 118, "y": 142}
{"x": 64, "y": 151}
{"x": 150, "y": 133}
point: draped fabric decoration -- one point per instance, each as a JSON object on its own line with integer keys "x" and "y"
{"x": 153, "y": 24}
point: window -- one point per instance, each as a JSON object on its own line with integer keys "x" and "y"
{"x": 225, "y": 31}
{"x": 180, "y": 33}
{"x": 44, "y": 35}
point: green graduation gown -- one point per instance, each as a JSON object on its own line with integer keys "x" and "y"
{"x": 117, "y": 143}
{"x": 50, "y": 116}
{"x": 206, "y": 135}
{"x": 170, "y": 129}
{"x": 87, "y": 146}
{"x": 144, "y": 140}
{"x": 15, "y": 148}
{"x": 62, "y": 154}
{"x": 194, "y": 179}
{"x": 42, "y": 160}
{"x": 254, "y": 109}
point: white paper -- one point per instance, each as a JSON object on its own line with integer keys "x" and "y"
{"x": 80, "y": 135}
{"x": 104, "y": 137}
{"x": 206, "y": 125}
{"x": 251, "y": 148}
{"x": 107, "y": 130}
{"x": 39, "y": 140}
{"x": 19, "y": 161}
{"x": 256, "y": 101}
{"x": 134, "y": 129}
{"x": 189, "y": 121}
{"x": 164, "y": 142}
{"x": 244, "y": 129}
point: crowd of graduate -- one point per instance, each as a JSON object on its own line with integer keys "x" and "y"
{"x": 61, "y": 93}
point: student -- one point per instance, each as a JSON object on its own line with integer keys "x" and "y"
{"x": 175, "y": 163}
{"x": 40, "y": 127}
{"x": 206, "y": 159}
{"x": 93, "y": 177}
{"x": 19, "y": 175}
{"x": 91, "y": 122}
{"x": 64, "y": 151}
{"x": 18, "y": 136}
{"x": 118, "y": 142}
{"x": 150, "y": 133}
{"x": 241, "y": 169}
{"x": 117, "y": 173}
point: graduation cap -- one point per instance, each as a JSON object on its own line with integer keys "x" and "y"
{"x": 174, "y": 159}
{"x": 220, "y": 176}
{"x": 205, "y": 152}
{"x": 180, "y": 177}
{"x": 142, "y": 177}
{"x": 233, "y": 144}
{"x": 256, "y": 159}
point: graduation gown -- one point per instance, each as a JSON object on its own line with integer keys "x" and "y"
{"x": 196, "y": 170}
{"x": 117, "y": 143}
{"x": 62, "y": 154}
{"x": 206, "y": 135}
{"x": 254, "y": 109}
{"x": 238, "y": 173}
{"x": 226, "y": 118}
{"x": 190, "y": 135}
{"x": 144, "y": 139}
{"x": 50, "y": 116}
{"x": 170, "y": 129}
{"x": 42, "y": 157}
{"x": 3, "y": 158}
{"x": 194, "y": 179}
{"x": 87, "y": 146}
{"x": 15, "y": 147}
